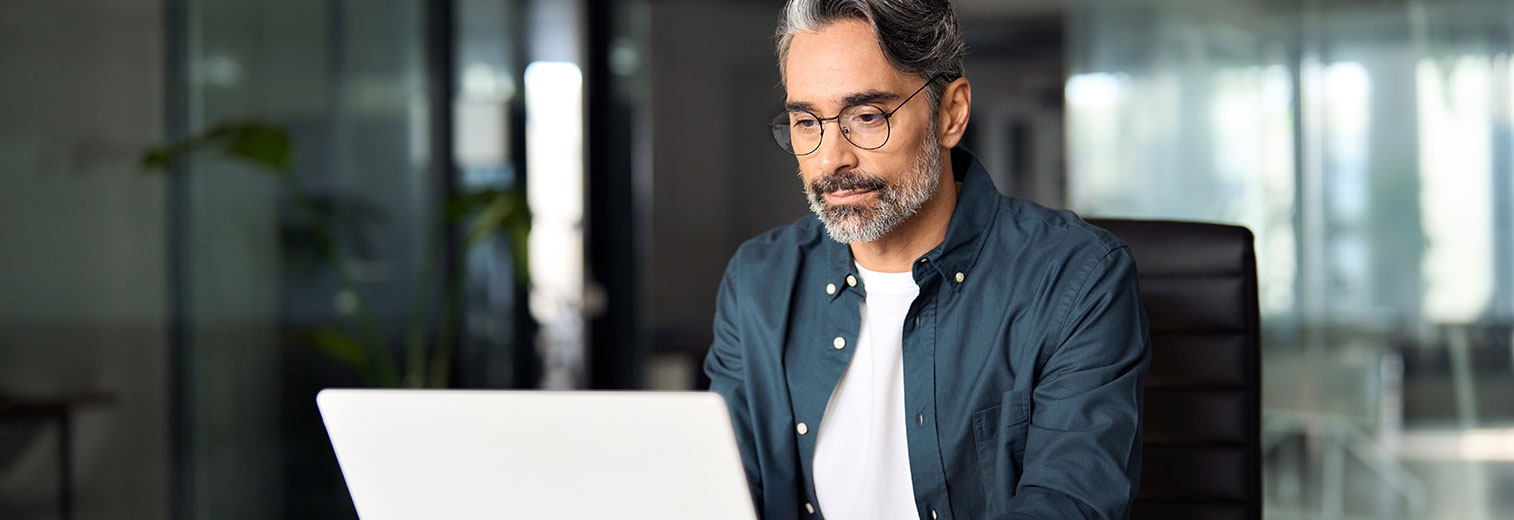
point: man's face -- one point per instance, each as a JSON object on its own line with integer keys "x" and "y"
{"x": 860, "y": 195}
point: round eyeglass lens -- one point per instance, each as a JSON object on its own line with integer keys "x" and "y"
{"x": 866, "y": 126}
{"x": 797, "y": 132}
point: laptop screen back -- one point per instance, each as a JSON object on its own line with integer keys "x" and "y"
{"x": 473, "y": 454}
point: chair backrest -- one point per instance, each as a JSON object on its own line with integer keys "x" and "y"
{"x": 1202, "y": 457}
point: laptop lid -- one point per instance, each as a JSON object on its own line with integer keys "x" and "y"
{"x": 476, "y": 454}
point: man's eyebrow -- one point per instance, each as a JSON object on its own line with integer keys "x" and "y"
{"x": 866, "y": 96}
{"x": 870, "y": 96}
{"x": 799, "y": 105}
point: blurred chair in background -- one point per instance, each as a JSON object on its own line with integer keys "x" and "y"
{"x": 1203, "y": 392}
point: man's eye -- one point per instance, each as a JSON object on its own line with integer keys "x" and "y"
{"x": 805, "y": 123}
{"x": 867, "y": 119}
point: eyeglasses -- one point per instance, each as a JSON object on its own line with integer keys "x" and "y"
{"x": 865, "y": 126}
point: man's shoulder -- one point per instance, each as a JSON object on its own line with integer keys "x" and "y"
{"x": 1026, "y": 224}
{"x": 782, "y": 244}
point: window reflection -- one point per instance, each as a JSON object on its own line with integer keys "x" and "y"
{"x": 1455, "y": 173}
{"x": 1370, "y": 152}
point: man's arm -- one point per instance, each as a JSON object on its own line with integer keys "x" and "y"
{"x": 1083, "y": 449}
{"x": 724, "y": 367}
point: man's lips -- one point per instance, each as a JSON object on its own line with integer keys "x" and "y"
{"x": 846, "y": 196}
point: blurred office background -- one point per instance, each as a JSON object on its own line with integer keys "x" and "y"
{"x": 164, "y": 326}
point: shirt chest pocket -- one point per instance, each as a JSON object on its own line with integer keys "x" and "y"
{"x": 999, "y": 436}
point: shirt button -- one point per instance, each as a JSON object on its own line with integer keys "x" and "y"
{"x": 809, "y": 508}
{"x": 803, "y": 428}
{"x": 851, "y": 280}
{"x": 840, "y": 342}
{"x": 960, "y": 277}
{"x": 933, "y": 514}
{"x": 920, "y": 419}
{"x": 830, "y": 288}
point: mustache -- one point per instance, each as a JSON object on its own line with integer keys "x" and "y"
{"x": 847, "y": 180}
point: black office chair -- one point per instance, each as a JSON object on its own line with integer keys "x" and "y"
{"x": 1202, "y": 433}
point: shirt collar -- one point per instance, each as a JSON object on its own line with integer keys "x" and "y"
{"x": 977, "y": 206}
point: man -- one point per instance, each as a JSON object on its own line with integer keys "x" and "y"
{"x": 921, "y": 347}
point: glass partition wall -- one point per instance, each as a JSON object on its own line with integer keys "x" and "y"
{"x": 1368, "y": 147}
{"x": 343, "y": 267}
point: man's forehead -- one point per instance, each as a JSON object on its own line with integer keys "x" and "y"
{"x": 846, "y": 89}
{"x": 838, "y": 63}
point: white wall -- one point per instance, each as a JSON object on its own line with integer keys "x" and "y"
{"x": 83, "y": 299}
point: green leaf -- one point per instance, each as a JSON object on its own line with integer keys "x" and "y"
{"x": 157, "y": 158}
{"x": 488, "y": 222}
{"x": 496, "y": 212}
{"x": 462, "y": 205}
{"x": 341, "y": 347}
{"x": 264, "y": 144}
{"x": 519, "y": 239}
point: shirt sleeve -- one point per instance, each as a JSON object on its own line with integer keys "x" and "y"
{"x": 727, "y": 375}
{"x": 1083, "y": 447}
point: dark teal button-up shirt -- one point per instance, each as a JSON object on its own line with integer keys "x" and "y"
{"x": 1024, "y": 358}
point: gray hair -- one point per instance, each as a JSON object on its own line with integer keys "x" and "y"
{"x": 918, "y": 37}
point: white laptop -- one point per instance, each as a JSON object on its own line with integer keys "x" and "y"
{"x": 476, "y": 454}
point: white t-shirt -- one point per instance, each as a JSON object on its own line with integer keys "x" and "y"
{"x": 862, "y": 453}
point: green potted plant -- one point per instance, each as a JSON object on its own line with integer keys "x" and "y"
{"x": 478, "y": 214}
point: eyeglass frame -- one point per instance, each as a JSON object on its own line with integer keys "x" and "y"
{"x": 887, "y": 121}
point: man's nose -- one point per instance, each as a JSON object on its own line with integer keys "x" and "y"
{"x": 835, "y": 152}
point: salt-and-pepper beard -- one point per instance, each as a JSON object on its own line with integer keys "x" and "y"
{"x": 892, "y": 204}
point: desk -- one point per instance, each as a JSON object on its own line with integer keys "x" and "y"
{"x": 59, "y": 409}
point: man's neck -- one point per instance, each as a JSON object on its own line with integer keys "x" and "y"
{"x": 896, "y": 252}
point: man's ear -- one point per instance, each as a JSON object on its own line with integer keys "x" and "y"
{"x": 956, "y": 105}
